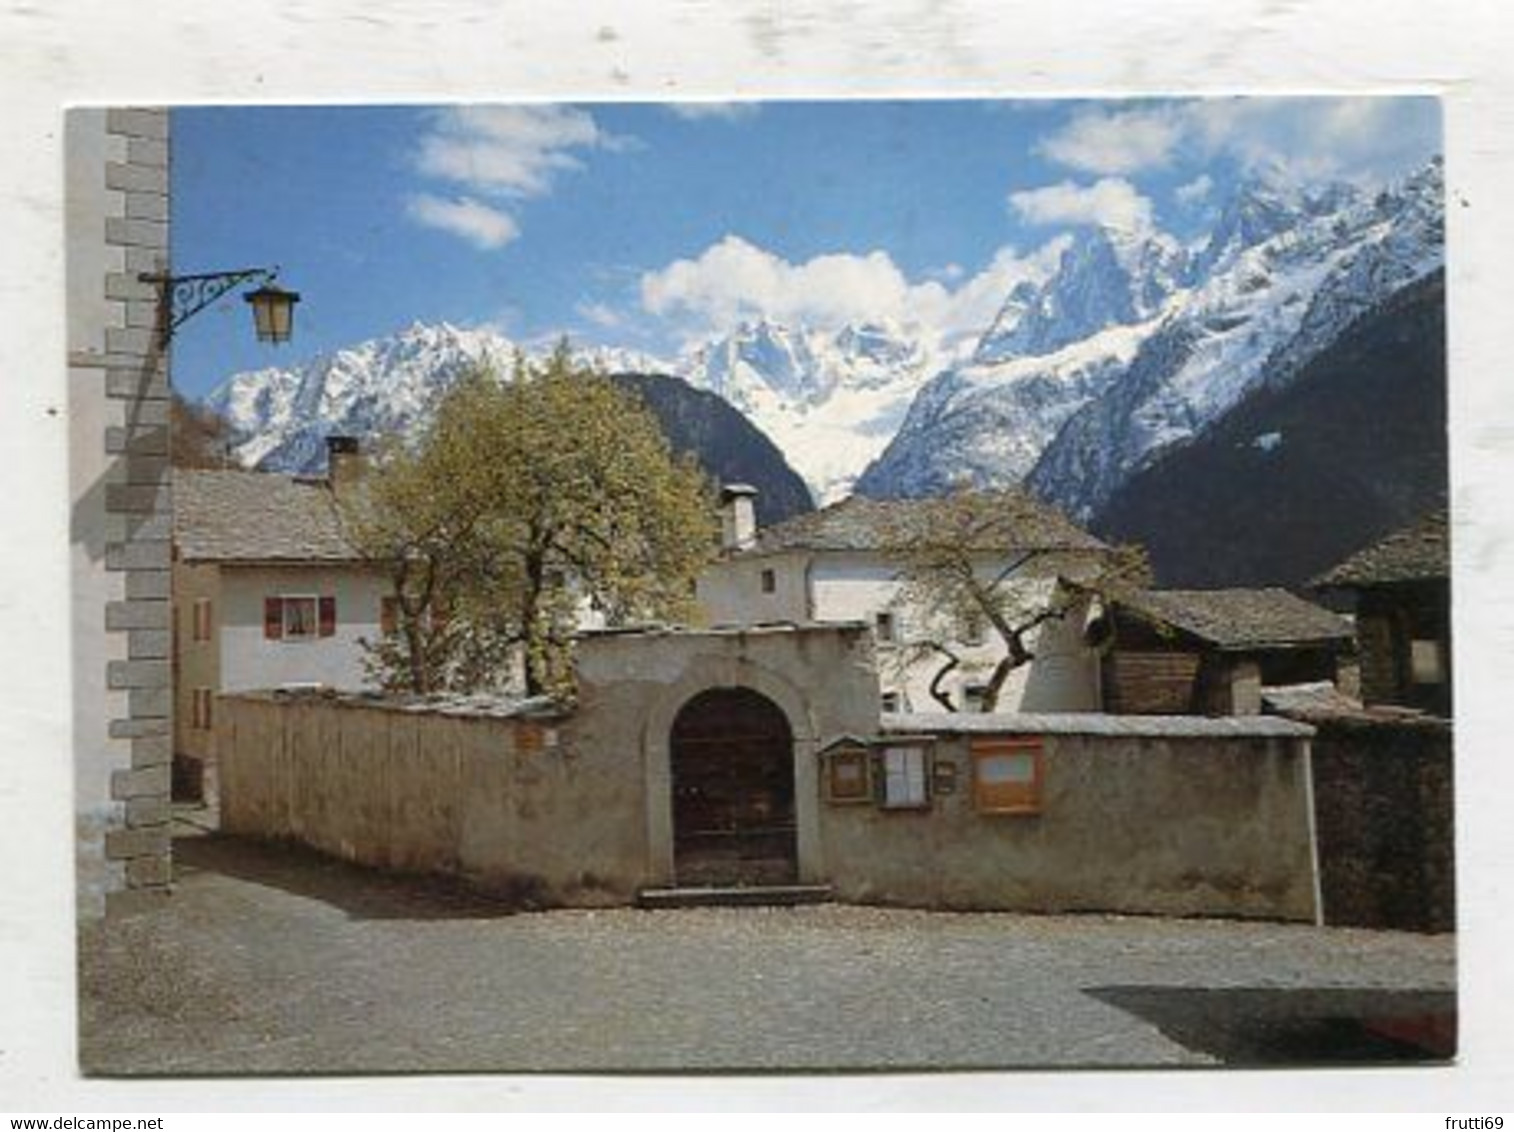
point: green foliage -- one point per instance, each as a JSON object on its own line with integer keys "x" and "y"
{"x": 523, "y": 501}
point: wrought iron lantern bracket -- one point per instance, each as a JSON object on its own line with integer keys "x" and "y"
{"x": 182, "y": 296}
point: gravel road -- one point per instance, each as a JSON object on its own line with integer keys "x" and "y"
{"x": 272, "y": 961}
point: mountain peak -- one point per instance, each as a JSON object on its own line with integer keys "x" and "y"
{"x": 1105, "y": 277}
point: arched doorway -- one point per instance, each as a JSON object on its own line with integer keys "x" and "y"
{"x": 732, "y": 757}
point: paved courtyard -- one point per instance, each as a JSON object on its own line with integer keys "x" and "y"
{"x": 276, "y": 961}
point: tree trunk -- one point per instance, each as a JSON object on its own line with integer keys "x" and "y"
{"x": 415, "y": 648}
{"x": 531, "y": 632}
{"x": 936, "y": 691}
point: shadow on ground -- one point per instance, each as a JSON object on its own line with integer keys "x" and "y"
{"x": 1255, "y": 1027}
{"x": 363, "y": 894}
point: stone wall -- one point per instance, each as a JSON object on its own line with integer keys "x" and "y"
{"x": 118, "y": 228}
{"x": 1171, "y": 816}
{"x": 1383, "y": 796}
{"x": 1179, "y": 816}
{"x": 522, "y": 808}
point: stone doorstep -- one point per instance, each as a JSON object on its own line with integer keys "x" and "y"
{"x": 746, "y": 895}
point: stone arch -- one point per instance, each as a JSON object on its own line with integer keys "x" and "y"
{"x": 705, "y": 672}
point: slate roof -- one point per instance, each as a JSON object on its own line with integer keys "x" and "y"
{"x": 1240, "y": 619}
{"x": 237, "y": 516}
{"x": 1421, "y": 552}
{"x": 858, "y": 523}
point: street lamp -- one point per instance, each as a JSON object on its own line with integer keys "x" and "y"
{"x": 181, "y": 296}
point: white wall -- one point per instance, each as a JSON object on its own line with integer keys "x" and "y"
{"x": 858, "y": 586}
{"x": 249, "y": 661}
{"x": 730, "y": 592}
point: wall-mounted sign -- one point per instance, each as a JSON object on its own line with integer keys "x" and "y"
{"x": 846, "y": 767}
{"x": 1007, "y": 774}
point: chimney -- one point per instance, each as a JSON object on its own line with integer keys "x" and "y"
{"x": 344, "y": 462}
{"x": 738, "y": 516}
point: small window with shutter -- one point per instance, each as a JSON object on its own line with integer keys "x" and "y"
{"x": 298, "y": 617}
{"x": 200, "y": 708}
{"x": 202, "y": 616}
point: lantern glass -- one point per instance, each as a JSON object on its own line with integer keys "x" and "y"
{"x": 273, "y": 312}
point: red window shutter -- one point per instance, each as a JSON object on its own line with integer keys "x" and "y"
{"x": 273, "y": 618}
{"x": 388, "y": 615}
{"x": 328, "y": 616}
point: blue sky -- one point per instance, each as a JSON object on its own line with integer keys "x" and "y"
{"x": 651, "y": 225}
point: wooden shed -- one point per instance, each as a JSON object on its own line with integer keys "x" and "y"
{"x": 1210, "y": 652}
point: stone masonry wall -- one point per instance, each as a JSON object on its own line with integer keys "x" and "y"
{"x": 119, "y": 399}
{"x": 1383, "y": 805}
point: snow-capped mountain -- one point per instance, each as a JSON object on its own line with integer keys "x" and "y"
{"x": 1281, "y": 275}
{"x": 829, "y": 400}
{"x": 281, "y": 417}
{"x": 1131, "y": 345}
{"x": 1106, "y": 277}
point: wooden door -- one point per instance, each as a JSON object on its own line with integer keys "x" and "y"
{"x": 733, "y": 791}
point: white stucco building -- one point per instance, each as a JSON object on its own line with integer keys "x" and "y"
{"x": 267, "y": 594}
{"x": 828, "y": 567}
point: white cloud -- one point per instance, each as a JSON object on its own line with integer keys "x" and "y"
{"x": 513, "y": 151}
{"x": 1315, "y": 138}
{"x": 724, "y": 111}
{"x": 601, "y": 314}
{"x": 1301, "y": 138}
{"x": 735, "y": 280}
{"x": 1115, "y": 141}
{"x": 484, "y": 227}
{"x": 1195, "y": 190}
{"x": 1112, "y": 202}
{"x": 503, "y": 153}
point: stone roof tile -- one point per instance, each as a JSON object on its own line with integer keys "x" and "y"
{"x": 1240, "y": 618}
{"x": 859, "y": 523}
{"x": 230, "y": 516}
{"x": 1421, "y": 552}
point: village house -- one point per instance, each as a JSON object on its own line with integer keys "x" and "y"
{"x": 1402, "y": 586}
{"x": 267, "y": 593}
{"x": 829, "y": 567}
{"x": 1212, "y": 652}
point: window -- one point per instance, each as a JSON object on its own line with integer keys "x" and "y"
{"x": 974, "y": 631}
{"x": 974, "y": 697}
{"x": 891, "y": 702}
{"x": 848, "y": 773}
{"x": 904, "y": 777}
{"x": 885, "y": 628}
{"x": 298, "y": 618}
{"x": 1427, "y": 662}
{"x": 1007, "y": 775}
{"x": 202, "y": 619}
{"x": 200, "y": 705}
{"x": 389, "y": 615}
{"x": 769, "y": 581}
